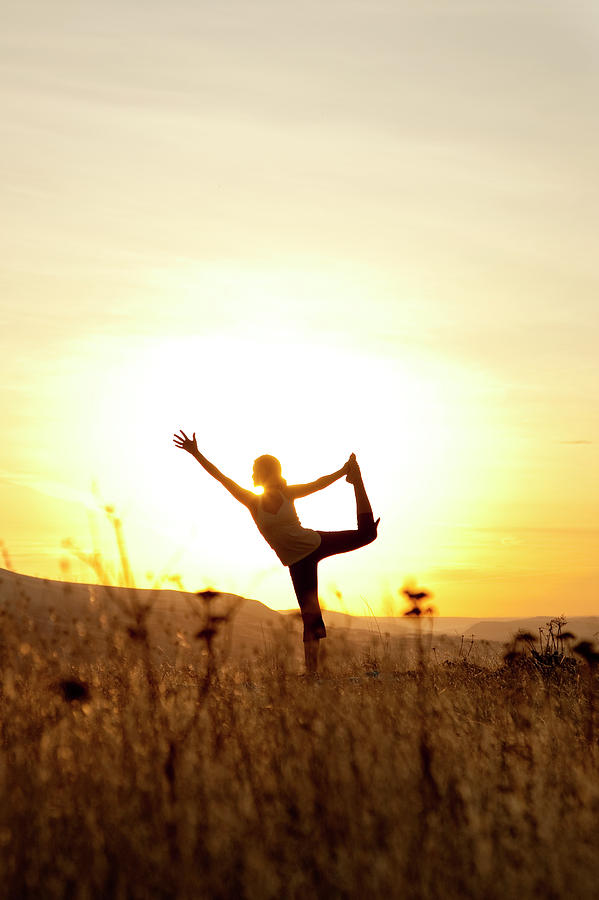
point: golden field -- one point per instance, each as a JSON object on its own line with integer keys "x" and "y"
{"x": 138, "y": 762}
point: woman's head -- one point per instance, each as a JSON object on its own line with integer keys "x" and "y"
{"x": 267, "y": 472}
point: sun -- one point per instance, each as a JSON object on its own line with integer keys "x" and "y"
{"x": 309, "y": 404}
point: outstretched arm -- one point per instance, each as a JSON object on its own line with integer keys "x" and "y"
{"x": 190, "y": 444}
{"x": 302, "y": 490}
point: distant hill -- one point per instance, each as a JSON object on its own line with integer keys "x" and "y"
{"x": 61, "y": 612}
{"x": 57, "y": 608}
{"x": 583, "y": 627}
{"x": 496, "y": 629}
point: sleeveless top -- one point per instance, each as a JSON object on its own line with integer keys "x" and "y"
{"x": 284, "y": 532}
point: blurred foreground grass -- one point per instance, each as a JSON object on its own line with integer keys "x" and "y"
{"x": 130, "y": 777}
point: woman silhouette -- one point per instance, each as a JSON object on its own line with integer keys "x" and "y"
{"x": 301, "y": 549}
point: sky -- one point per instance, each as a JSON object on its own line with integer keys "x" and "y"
{"x": 304, "y": 229}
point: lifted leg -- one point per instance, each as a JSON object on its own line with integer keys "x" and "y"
{"x": 354, "y": 476}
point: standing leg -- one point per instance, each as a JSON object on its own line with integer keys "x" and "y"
{"x": 311, "y": 651}
{"x": 304, "y": 575}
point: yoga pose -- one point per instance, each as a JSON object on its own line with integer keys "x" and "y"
{"x": 301, "y": 549}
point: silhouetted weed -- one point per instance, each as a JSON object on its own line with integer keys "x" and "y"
{"x": 72, "y": 690}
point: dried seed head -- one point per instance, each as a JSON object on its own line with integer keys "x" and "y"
{"x": 208, "y": 595}
{"x": 588, "y": 652}
{"x": 206, "y": 634}
{"x": 138, "y": 634}
{"x": 525, "y": 636}
{"x": 72, "y": 689}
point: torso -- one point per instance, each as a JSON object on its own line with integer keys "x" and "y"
{"x": 272, "y": 501}
{"x": 277, "y": 520}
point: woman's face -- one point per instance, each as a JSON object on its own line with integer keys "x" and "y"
{"x": 258, "y": 476}
{"x": 263, "y": 473}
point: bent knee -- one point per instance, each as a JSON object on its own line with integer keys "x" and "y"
{"x": 371, "y": 536}
{"x": 369, "y": 530}
{"x": 368, "y": 534}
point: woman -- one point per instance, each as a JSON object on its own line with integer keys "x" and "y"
{"x": 301, "y": 549}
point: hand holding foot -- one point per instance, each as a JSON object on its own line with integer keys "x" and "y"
{"x": 349, "y": 463}
{"x": 353, "y": 470}
{"x": 363, "y": 508}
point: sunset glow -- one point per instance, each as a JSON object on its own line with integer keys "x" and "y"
{"x": 386, "y": 251}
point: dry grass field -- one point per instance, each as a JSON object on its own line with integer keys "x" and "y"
{"x": 130, "y": 772}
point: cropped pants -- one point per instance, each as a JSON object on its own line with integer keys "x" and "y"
{"x": 304, "y": 572}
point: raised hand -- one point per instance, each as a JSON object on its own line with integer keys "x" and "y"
{"x": 185, "y": 443}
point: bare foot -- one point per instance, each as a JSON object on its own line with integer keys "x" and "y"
{"x": 350, "y": 467}
{"x": 353, "y": 470}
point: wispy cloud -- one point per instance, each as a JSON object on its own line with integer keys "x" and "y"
{"x": 474, "y": 574}
{"x": 509, "y": 529}
{"x": 49, "y": 488}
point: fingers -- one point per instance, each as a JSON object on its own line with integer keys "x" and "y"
{"x": 184, "y": 443}
{"x": 180, "y": 439}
